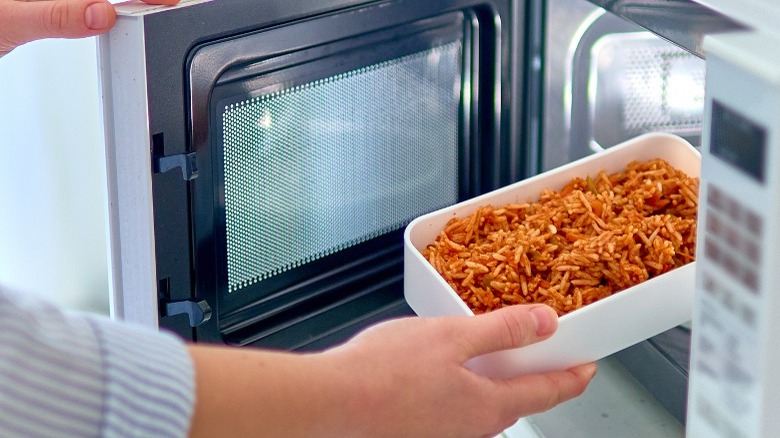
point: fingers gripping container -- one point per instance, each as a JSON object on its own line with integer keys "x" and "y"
{"x": 589, "y": 333}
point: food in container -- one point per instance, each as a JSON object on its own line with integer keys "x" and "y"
{"x": 609, "y": 323}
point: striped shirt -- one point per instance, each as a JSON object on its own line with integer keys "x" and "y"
{"x": 67, "y": 374}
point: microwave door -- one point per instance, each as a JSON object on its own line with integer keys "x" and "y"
{"x": 263, "y": 162}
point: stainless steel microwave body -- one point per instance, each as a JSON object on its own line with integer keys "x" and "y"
{"x": 264, "y": 156}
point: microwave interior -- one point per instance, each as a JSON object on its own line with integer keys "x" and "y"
{"x": 290, "y": 144}
{"x": 612, "y": 71}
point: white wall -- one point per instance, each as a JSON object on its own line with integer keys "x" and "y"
{"x": 52, "y": 175}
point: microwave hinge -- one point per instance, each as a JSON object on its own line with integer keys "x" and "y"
{"x": 187, "y": 162}
{"x": 197, "y": 312}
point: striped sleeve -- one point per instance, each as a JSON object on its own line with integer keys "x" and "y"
{"x": 75, "y": 375}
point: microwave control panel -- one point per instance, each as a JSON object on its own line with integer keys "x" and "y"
{"x": 734, "y": 390}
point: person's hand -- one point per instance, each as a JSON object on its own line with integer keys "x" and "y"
{"x": 414, "y": 382}
{"x": 402, "y": 378}
{"x": 23, "y": 21}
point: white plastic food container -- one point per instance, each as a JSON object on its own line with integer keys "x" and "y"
{"x": 587, "y": 334}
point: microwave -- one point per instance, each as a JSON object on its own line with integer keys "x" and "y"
{"x": 264, "y": 157}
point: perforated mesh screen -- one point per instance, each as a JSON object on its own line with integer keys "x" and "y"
{"x": 320, "y": 167}
{"x": 665, "y": 90}
{"x": 640, "y": 83}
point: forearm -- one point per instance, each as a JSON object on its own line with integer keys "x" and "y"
{"x": 250, "y": 392}
{"x": 400, "y": 378}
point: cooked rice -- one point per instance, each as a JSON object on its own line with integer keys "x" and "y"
{"x": 595, "y": 237}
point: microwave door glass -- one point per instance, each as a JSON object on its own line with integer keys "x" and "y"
{"x": 316, "y": 168}
{"x": 313, "y": 161}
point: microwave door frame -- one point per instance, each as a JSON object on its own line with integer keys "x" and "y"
{"x": 122, "y": 59}
{"x": 129, "y": 181}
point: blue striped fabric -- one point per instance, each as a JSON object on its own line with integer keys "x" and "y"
{"x": 66, "y": 374}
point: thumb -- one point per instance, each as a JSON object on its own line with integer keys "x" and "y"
{"x": 54, "y": 19}
{"x": 507, "y": 328}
